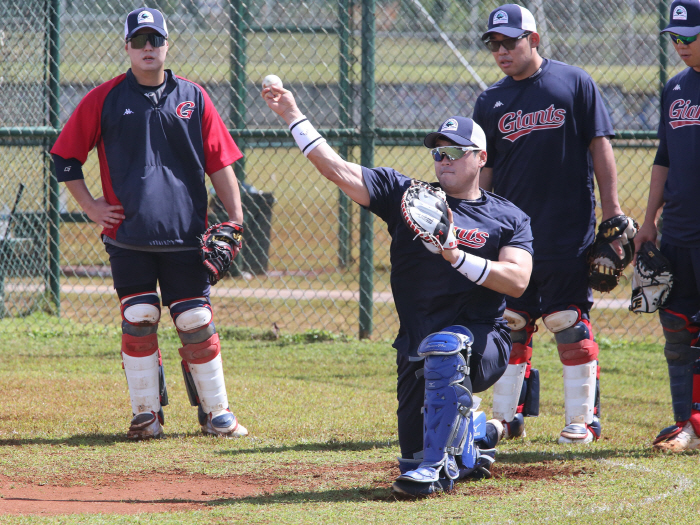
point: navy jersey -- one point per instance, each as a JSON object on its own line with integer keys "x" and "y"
{"x": 538, "y": 131}
{"x": 429, "y": 294}
{"x": 153, "y": 156}
{"x": 679, "y": 151}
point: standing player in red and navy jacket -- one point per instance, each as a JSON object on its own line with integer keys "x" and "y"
{"x": 675, "y": 185}
{"x": 156, "y": 136}
{"x": 548, "y": 133}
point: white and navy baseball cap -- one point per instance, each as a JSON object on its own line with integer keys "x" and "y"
{"x": 510, "y": 20}
{"x": 462, "y": 131}
{"x": 145, "y": 17}
{"x": 685, "y": 18}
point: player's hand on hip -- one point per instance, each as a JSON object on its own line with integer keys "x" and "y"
{"x": 105, "y": 214}
{"x": 282, "y": 102}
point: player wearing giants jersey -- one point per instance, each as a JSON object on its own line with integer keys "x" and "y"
{"x": 548, "y": 132}
{"x": 675, "y": 184}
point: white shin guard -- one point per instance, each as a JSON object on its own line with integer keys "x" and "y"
{"x": 579, "y": 392}
{"x": 209, "y": 379}
{"x": 506, "y": 392}
{"x": 142, "y": 376}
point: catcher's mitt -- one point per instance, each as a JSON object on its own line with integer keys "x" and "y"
{"x": 218, "y": 247}
{"x": 424, "y": 210}
{"x": 605, "y": 263}
{"x": 652, "y": 280}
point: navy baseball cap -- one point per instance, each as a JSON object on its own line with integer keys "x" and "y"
{"x": 145, "y": 17}
{"x": 511, "y": 20}
{"x": 460, "y": 130}
{"x": 685, "y": 18}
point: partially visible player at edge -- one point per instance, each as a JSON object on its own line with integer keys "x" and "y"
{"x": 675, "y": 185}
{"x": 459, "y": 294}
{"x": 156, "y": 136}
{"x": 548, "y": 132}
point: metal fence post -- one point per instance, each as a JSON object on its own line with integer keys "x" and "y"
{"x": 367, "y": 159}
{"x": 663, "y": 47}
{"x": 52, "y": 68}
{"x": 238, "y": 59}
{"x": 344, "y": 118}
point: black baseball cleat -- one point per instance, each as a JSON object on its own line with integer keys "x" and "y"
{"x": 413, "y": 489}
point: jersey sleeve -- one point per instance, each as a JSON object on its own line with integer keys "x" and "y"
{"x": 662, "y": 158}
{"x": 219, "y": 148}
{"x": 82, "y": 131}
{"x": 386, "y": 187}
{"x": 520, "y": 236}
{"x": 595, "y": 114}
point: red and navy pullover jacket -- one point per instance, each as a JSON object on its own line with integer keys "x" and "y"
{"x": 152, "y": 157}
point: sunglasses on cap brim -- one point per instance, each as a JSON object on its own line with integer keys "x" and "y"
{"x": 508, "y": 43}
{"x": 679, "y": 39}
{"x": 139, "y": 41}
{"x": 451, "y": 152}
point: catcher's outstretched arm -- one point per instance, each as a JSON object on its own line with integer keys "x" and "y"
{"x": 346, "y": 175}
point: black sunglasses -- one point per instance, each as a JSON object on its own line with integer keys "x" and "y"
{"x": 508, "y": 43}
{"x": 139, "y": 41}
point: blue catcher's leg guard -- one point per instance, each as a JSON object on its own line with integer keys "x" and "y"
{"x": 448, "y": 420}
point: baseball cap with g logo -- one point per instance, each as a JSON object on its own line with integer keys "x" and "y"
{"x": 684, "y": 19}
{"x": 462, "y": 131}
{"x": 511, "y": 20}
{"x": 145, "y": 17}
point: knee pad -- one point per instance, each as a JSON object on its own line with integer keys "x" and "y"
{"x": 517, "y": 320}
{"x": 680, "y": 334}
{"x": 140, "y": 310}
{"x": 447, "y": 415}
{"x": 193, "y": 319}
{"x": 574, "y": 336}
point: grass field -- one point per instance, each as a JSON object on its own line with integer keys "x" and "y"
{"x": 323, "y": 440}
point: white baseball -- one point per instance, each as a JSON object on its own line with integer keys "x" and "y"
{"x": 272, "y": 80}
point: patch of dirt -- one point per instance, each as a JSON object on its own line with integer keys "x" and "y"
{"x": 181, "y": 491}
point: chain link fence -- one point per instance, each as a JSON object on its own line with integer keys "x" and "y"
{"x": 373, "y": 75}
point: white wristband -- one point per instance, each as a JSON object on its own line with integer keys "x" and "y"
{"x": 474, "y": 268}
{"x": 305, "y": 135}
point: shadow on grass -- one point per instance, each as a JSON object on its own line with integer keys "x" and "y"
{"x": 328, "y": 446}
{"x": 97, "y": 440}
{"x": 514, "y": 458}
{"x": 93, "y": 440}
{"x": 324, "y": 496}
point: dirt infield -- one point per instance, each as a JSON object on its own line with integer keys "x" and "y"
{"x": 177, "y": 491}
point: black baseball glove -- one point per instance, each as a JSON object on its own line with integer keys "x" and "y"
{"x": 605, "y": 263}
{"x": 652, "y": 280}
{"x": 218, "y": 247}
